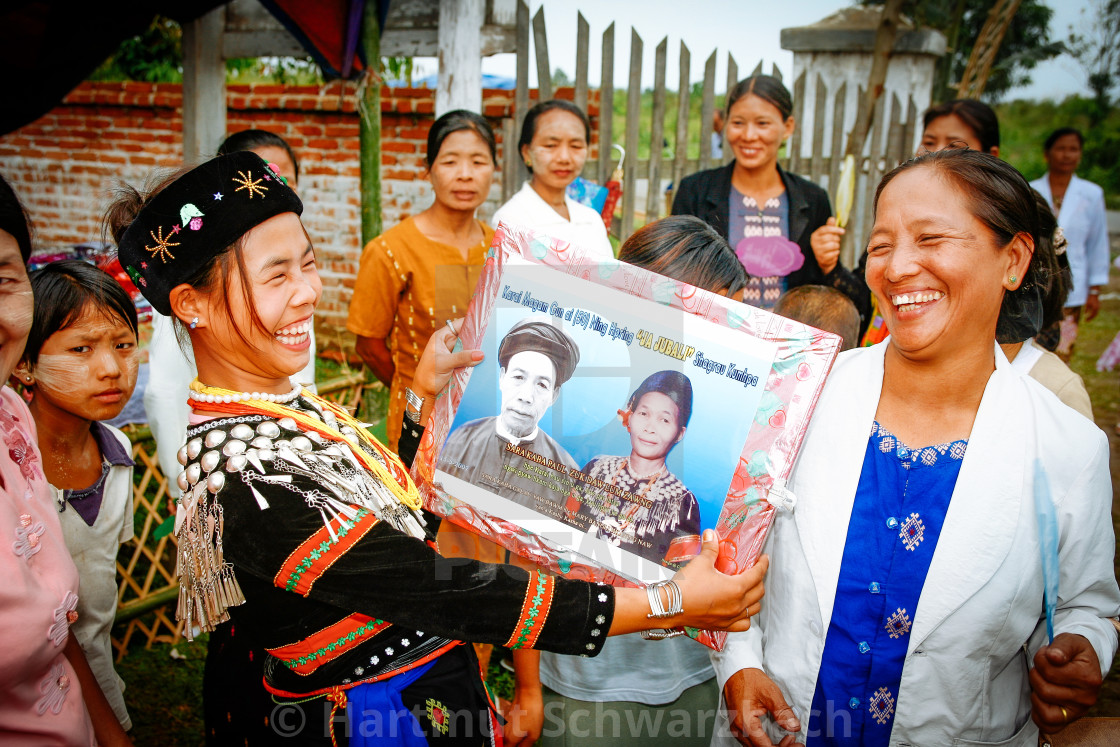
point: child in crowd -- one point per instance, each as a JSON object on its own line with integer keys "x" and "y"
{"x": 80, "y": 366}
{"x": 824, "y": 308}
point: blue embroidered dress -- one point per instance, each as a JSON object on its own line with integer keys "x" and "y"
{"x": 900, "y": 506}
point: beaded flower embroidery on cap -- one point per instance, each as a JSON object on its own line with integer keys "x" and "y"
{"x": 161, "y": 248}
{"x": 247, "y": 182}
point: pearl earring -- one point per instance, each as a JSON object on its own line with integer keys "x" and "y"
{"x": 194, "y": 323}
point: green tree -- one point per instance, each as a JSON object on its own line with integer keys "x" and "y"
{"x": 1026, "y": 43}
{"x": 154, "y": 56}
{"x": 1096, "y": 50}
{"x": 397, "y": 68}
{"x": 560, "y": 79}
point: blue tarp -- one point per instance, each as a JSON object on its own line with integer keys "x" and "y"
{"x": 431, "y": 81}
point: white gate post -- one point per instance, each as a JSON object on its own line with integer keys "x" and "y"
{"x": 460, "y": 55}
{"x": 204, "y": 86}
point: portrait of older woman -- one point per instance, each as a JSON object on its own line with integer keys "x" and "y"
{"x": 659, "y": 507}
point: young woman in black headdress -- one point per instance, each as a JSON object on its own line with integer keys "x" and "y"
{"x": 309, "y": 532}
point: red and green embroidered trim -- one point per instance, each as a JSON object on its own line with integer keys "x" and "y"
{"x": 303, "y": 696}
{"x": 319, "y": 552}
{"x": 304, "y": 657}
{"x": 534, "y": 612}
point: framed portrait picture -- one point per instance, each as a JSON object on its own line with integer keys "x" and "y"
{"x": 617, "y": 414}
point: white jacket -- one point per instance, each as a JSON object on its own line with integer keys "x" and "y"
{"x": 1085, "y": 226}
{"x": 980, "y": 617}
{"x": 585, "y": 230}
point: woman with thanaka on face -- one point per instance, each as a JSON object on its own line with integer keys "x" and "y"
{"x": 303, "y": 527}
{"x": 1079, "y": 207}
{"x": 779, "y": 224}
{"x": 420, "y": 274}
{"x": 555, "y": 138}
{"x": 80, "y": 367}
{"x": 48, "y": 693}
{"x": 170, "y": 360}
{"x": 878, "y": 626}
{"x": 634, "y": 681}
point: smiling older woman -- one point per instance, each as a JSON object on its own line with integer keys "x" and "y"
{"x": 421, "y": 272}
{"x": 907, "y": 601}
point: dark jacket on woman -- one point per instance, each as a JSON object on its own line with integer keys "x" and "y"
{"x": 707, "y": 195}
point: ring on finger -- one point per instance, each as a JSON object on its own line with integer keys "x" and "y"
{"x": 1065, "y": 714}
{"x": 451, "y": 327}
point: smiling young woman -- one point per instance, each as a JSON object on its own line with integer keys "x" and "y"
{"x": 779, "y": 224}
{"x": 420, "y": 274}
{"x": 305, "y": 530}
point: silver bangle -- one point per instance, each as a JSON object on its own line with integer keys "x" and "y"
{"x": 676, "y": 600}
{"x": 660, "y": 634}
{"x": 414, "y": 403}
{"x": 656, "y": 610}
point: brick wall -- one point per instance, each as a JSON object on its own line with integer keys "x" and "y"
{"x": 65, "y": 164}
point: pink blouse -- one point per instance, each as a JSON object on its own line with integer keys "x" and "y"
{"x": 40, "y": 698}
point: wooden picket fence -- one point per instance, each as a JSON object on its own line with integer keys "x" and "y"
{"x": 147, "y": 591}
{"x": 891, "y": 141}
{"x": 830, "y": 115}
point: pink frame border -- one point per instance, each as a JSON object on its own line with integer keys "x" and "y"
{"x": 805, "y": 356}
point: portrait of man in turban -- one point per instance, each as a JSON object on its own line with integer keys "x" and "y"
{"x": 535, "y": 359}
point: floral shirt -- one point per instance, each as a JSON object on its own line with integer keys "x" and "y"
{"x": 40, "y": 698}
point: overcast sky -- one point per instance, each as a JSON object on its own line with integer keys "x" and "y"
{"x": 750, "y": 29}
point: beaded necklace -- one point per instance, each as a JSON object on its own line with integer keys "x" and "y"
{"x": 391, "y": 472}
{"x": 627, "y": 516}
{"x": 652, "y": 477}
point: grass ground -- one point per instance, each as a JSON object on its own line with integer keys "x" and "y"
{"x": 164, "y": 692}
{"x": 1104, "y": 390}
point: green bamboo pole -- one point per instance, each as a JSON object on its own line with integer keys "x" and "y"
{"x": 369, "y": 109}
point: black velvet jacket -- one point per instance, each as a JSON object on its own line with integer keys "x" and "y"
{"x": 707, "y": 195}
{"x": 372, "y": 601}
